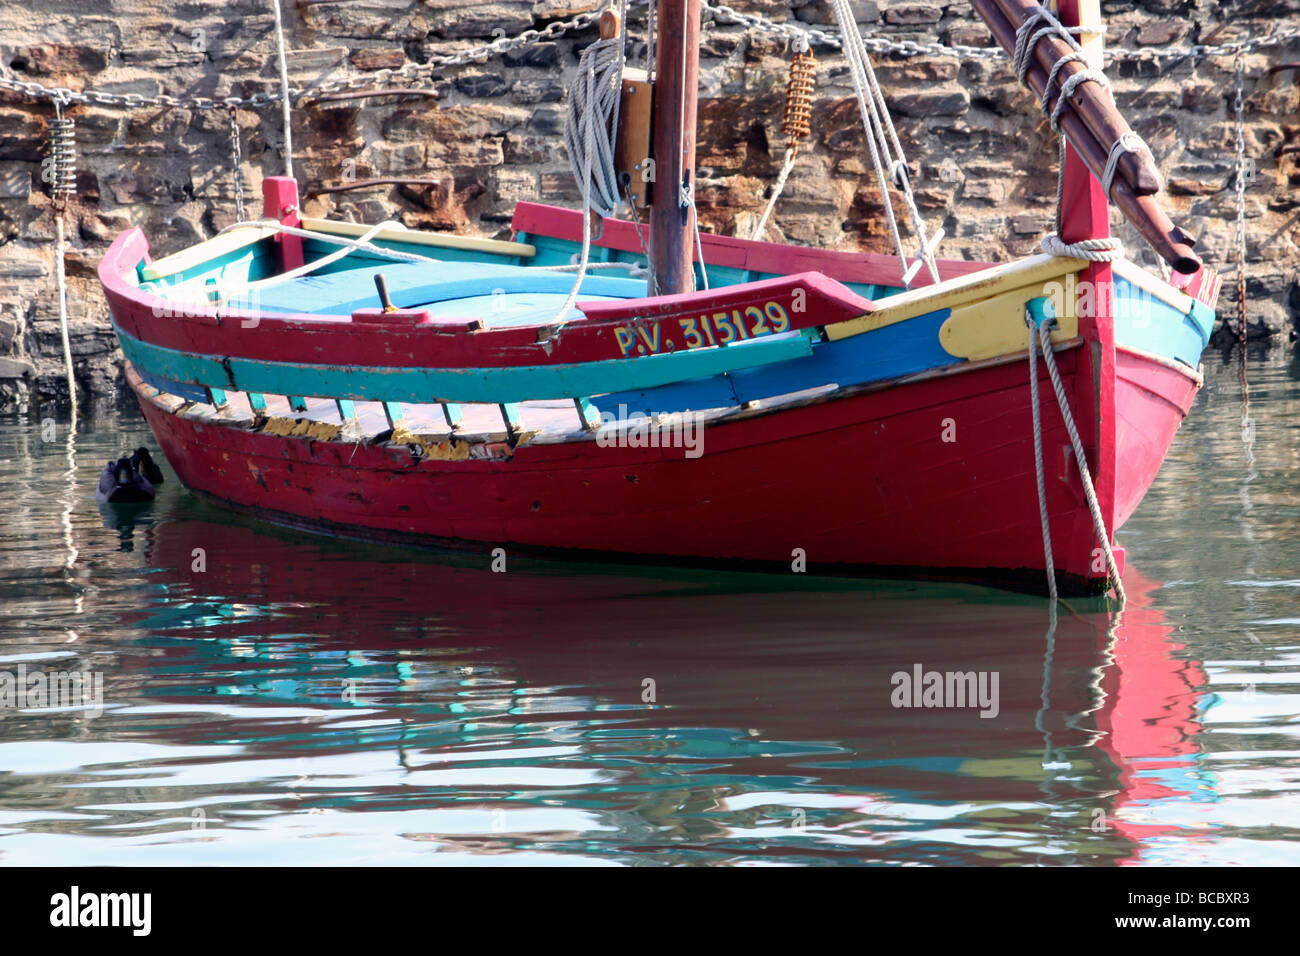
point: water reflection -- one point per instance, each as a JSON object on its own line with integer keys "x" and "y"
{"x": 275, "y": 697}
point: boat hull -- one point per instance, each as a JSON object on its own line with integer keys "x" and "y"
{"x": 927, "y": 477}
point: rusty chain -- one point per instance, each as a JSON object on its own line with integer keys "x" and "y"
{"x": 722, "y": 14}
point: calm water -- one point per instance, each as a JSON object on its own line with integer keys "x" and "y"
{"x": 300, "y": 700}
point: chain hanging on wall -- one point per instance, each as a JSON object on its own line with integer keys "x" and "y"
{"x": 236, "y": 164}
{"x": 1240, "y": 107}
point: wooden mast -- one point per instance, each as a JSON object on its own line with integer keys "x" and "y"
{"x": 677, "y": 75}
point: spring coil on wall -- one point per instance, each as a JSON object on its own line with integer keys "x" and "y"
{"x": 797, "y": 124}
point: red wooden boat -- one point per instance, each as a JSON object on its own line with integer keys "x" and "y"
{"x": 752, "y": 405}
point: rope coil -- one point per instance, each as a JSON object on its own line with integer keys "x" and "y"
{"x": 589, "y": 131}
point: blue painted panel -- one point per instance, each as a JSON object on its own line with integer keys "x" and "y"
{"x": 481, "y": 385}
{"x": 899, "y": 349}
{"x": 1144, "y": 322}
{"x": 192, "y": 393}
{"x": 713, "y": 392}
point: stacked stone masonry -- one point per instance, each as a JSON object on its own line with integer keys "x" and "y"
{"x": 983, "y": 158}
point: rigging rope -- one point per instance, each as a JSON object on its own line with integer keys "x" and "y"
{"x": 886, "y": 150}
{"x": 284, "y": 89}
{"x": 1105, "y": 249}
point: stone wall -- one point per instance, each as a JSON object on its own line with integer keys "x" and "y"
{"x": 983, "y": 157}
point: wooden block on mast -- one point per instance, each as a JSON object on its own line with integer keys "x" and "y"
{"x": 632, "y": 144}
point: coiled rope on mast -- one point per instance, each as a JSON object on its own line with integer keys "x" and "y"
{"x": 589, "y": 131}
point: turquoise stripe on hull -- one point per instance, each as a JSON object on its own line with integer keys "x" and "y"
{"x": 481, "y": 385}
{"x": 1145, "y": 322}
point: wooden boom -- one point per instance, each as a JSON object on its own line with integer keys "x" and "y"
{"x": 1142, "y": 210}
{"x": 1096, "y": 110}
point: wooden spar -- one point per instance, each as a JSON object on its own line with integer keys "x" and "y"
{"x": 677, "y": 69}
{"x": 1089, "y": 101}
{"x": 1144, "y": 212}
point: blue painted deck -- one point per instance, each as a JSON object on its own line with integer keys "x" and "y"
{"x": 499, "y": 294}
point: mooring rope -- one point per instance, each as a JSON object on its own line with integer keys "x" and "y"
{"x": 63, "y": 184}
{"x": 1038, "y": 459}
{"x": 1041, "y": 337}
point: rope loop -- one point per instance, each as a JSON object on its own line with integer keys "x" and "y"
{"x": 1129, "y": 142}
{"x": 1067, "y": 90}
{"x": 898, "y": 173}
{"x": 1108, "y": 249}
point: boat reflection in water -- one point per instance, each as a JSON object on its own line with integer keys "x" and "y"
{"x": 652, "y": 715}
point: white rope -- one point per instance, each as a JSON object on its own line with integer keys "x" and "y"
{"x": 634, "y": 268}
{"x": 593, "y": 114}
{"x": 589, "y": 129}
{"x": 1107, "y": 249}
{"x": 699, "y": 243}
{"x": 1089, "y": 491}
{"x": 284, "y": 89}
{"x": 1129, "y": 142}
{"x": 790, "y": 156}
{"x": 348, "y": 246}
{"x": 1067, "y": 89}
{"x": 886, "y": 149}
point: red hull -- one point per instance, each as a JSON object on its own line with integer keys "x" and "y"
{"x": 864, "y": 483}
